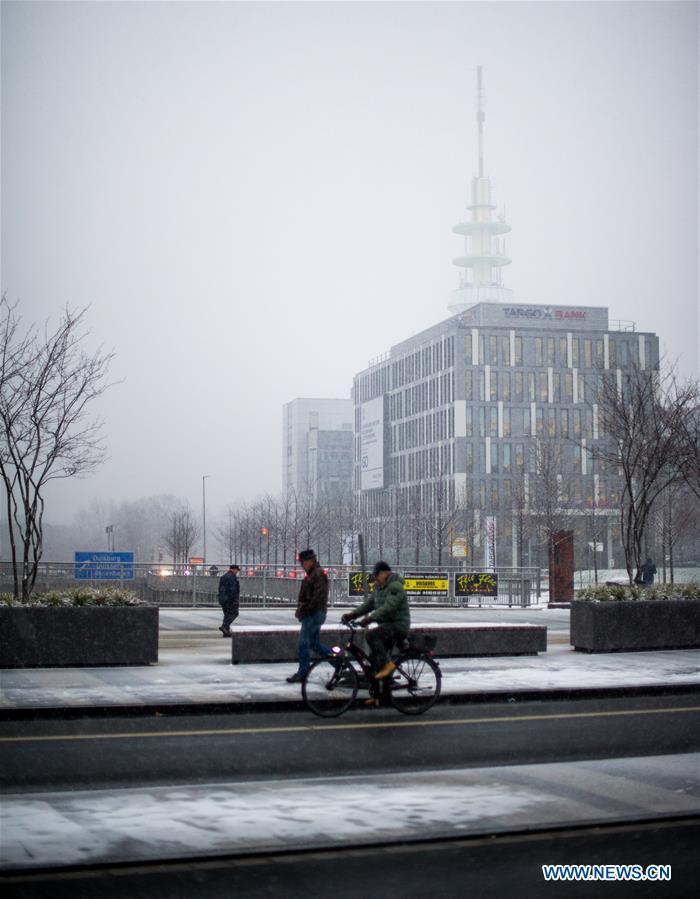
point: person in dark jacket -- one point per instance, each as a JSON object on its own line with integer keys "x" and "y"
{"x": 229, "y": 597}
{"x": 647, "y": 571}
{"x": 311, "y": 611}
{"x": 388, "y": 607}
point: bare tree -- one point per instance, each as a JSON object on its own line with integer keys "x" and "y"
{"x": 675, "y": 516}
{"x": 688, "y": 437}
{"x": 521, "y": 518}
{"x": 640, "y": 422}
{"x": 48, "y": 384}
{"x": 439, "y": 517}
{"x": 226, "y": 534}
{"x": 465, "y": 522}
{"x": 181, "y": 535}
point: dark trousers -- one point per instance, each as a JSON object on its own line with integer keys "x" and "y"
{"x": 230, "y": 607}
{"x": 380, "y": 639}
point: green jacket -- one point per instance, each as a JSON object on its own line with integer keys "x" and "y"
{"x": 388, "y": 605}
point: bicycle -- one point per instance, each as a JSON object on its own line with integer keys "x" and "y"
{"x": 330, "y": 686}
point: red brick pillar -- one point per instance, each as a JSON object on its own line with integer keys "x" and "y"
{"x": 561, "y": 567}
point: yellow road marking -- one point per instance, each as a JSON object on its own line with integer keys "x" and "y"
{"x": 372, "y": 725}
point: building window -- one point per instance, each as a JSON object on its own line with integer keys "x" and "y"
{"x": 493, "y": 350}
{"x": 612, "y": 352}
{"x": 507, "y": 494}
{"x": 574, "y": 352}
{"x": 531, "y": 395}
{"x": 556, "y": 387}
{"x": 577, "y": 422}
{"x": 468, "y": 385}
{"x": 482, "y": 385}
{"x": 550, "y": 351}
{"x": 543, "y": 390}
{"x": 469, "y": 463}
{"x": 481, "y": 349}
{"x": 518, "y": 350}
{"x": 551, "y": 423}
{"x": 563, "y": 353}
{"x": 519, "y": 394}
{"x": 506, "y": 458}
{"x": 577, "y": 458}
{"x": 482, "y": 421}
{"x": 506, "y": 421}
{"x": 505, "y": 386}
{"x": 599, "y": 352}
{"x": 470, "y": 422}
{"x": 568, "y": 387}
{"x": 539, "y": 418}
{"x": 468, "y": 349}
{"x": 587, "y": 353}
{"x": 564, "y": 422}
{"x": 532, "y": 458}
{"x": 482, "y": 457}
{"x": 493, "y": 421}
{"x": 538, "y": 351}
{"x": 493, "y": 387}
{"x": 505, "y": 349}
{"x": 494, "y": 457}
{"x": 519, "y": 456}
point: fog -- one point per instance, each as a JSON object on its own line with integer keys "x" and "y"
{"x": 256, "y": 198}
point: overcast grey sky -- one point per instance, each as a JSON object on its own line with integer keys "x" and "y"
{"x": 256, "y": 198}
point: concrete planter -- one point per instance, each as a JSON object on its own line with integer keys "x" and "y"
{"x": 279, "y": 644}
{"x": 38, "y": 637}
{"x": 629, "y": 625}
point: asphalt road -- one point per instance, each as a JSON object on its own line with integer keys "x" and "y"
{"x": 133, "y": 751}
{"x": 87, "y": 753}
{"x": 482, "y": 867}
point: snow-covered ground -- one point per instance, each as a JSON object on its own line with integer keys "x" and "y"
{"x": 90, "y": 827}
{"x": 183, "y": 677}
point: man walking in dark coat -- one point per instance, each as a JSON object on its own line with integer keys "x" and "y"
{"x": 647, "y": 572}
{"x": 229, "y": 596}
{"x": 311, "y": 612}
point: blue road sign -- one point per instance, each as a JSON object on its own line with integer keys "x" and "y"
{"x": 104, "y": 566}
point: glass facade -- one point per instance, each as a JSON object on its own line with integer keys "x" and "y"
{"x": 467, "y": 405}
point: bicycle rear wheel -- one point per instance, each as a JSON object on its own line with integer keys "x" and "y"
{"x": 330, "y": 687}
{"x": 415, "y": 684}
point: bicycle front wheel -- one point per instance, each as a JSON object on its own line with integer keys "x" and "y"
{"x": 415, "y": 685}
{"x": 330, "y": 687}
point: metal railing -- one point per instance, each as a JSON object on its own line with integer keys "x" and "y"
{"x": 622, "y": 324}
{"x": 267, "y": 586}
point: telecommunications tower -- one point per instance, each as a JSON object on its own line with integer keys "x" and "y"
{"x": 484, "y": 253}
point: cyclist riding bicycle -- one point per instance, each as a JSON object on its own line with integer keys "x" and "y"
{"x": 388, "y": 607}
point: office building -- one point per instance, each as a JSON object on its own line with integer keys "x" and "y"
{"x": 317, "y": 446}
{"x": 451, "y": 425}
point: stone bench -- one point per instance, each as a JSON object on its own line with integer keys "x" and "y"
{"x": 270, "y": 643}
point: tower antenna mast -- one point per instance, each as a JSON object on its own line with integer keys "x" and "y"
{"x": 480, "y": 117}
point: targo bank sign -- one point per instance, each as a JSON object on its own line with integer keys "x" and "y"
{"x": 544, "y": 313}
{"x": 532, "y": 315}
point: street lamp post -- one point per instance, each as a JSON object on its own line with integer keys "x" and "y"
{"x": 204, "y": 518}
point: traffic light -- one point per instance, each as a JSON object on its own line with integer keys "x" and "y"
{"x": 264, "y": 532}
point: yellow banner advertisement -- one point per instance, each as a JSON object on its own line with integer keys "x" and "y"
{"x": 427, "y": 584}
